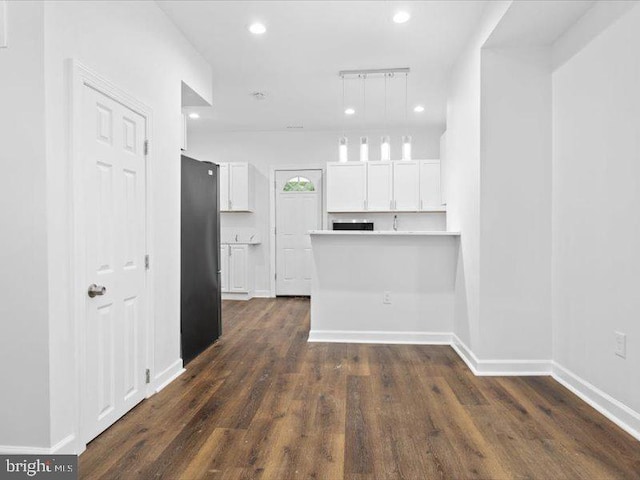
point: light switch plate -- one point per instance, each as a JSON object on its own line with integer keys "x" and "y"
{"x": 3, "y": 24}
{"x": 621, "y": 344}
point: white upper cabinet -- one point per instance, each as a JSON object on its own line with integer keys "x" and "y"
{"x": 346, "y": 186}
{"x": 236, "y": 192}
{"x": 430, "y": 196}
{"x": 224, "y": 187}
{"x": 401, "y": 186}
{"x": 379, "y": 186}
{"x": 406, "y": 186}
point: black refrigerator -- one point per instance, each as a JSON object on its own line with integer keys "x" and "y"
{"x": 200, "y": 313}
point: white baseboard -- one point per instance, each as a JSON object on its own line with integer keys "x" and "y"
{"x": 262, "y": 294}
{"x": 346, "y": 336}
{"x": 57, "y": 448}
{"x": 237, "y": 296}
{"x": 500, "y": 368}
{"x": 617, "y": 412}
{"x": 168, "y": 375}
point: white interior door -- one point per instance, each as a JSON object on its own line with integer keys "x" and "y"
{"x": 113, "y": 155}
{"x": 298, "y": 210}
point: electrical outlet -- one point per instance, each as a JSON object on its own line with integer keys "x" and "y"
{"x": 386, "y": 297}
{"x": 621, "y": 344}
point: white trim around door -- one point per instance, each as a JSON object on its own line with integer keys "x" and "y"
{"x": 272, "y": 212}
{"x": 81, "y": 77}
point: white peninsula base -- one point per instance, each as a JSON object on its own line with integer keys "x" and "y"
{"x": 383, "y": 287}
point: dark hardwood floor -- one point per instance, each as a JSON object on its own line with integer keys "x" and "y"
{"x": 263, "y": 403}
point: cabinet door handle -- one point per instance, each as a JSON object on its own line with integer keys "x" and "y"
{"x": 230, "y": 204}
{"x": 421, "y": 207}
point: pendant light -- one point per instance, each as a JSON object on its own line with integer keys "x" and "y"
{"x": 342, "y": 149}
{"x": 342, "y": 141}
{"x": 406, "y": 139}
{"x": 364, "y": 149}
{"x": 385, "y": 148}
{"x": 364, "y": 141}
{"x": 406, "y": 147}
{"x": 385, "y": 141}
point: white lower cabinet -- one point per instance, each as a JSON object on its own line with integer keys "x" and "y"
{"x": 234, "y": 266}
{"x": 238, "y": 268}
{"x": 224, "y": 268}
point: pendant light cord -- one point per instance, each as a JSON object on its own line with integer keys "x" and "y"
{"x": 343, "y": 132}
{"x": 406, "y": 89}
{"x": 364, "y": 103}
{"x": 385, "y": 100}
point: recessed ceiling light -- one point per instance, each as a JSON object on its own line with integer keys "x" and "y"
{"x": 349, "y": 111}
{"x": 194, "y": 115}
{"x": 257, "y": 28}
{"x": 418, "y": 109}
{"x": 401, "y": 17}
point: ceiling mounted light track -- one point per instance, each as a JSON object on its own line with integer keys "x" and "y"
{"x": 371, "y": 72}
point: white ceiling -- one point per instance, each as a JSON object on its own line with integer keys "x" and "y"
{"x": 296, "y": 62}
{"x": 537, "y": 23}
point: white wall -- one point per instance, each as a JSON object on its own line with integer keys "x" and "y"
{"x": 134, "y": 45}
{"x": 268, "y": 149}
{"x": 24, "y": 350}
{"x": 498, "y": 171}
{"x": 596, "y": 199}
{"x": 463, "y": 172}
{"x": 515, "y": 200}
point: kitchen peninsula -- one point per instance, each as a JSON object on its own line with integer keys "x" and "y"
{"x": 383, "y": 286}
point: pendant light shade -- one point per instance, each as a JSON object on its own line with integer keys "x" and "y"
{"x": 364, "y": 149}
{"x": 406, "y": 147}
{"x": 342, "y": 149}
{"x": 385, "y": 148}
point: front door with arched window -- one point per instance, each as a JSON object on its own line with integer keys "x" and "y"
{"x": 298, "y": 210}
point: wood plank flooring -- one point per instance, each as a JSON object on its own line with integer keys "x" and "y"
{"x": 262, "y": 403}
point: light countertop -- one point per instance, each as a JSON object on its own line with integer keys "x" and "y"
{"x": 390, "y": 233}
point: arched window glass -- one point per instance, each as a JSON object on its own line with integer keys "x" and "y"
{"x": 299, "y": 184}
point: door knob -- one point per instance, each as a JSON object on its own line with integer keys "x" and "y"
{"x": 95, "y": 290}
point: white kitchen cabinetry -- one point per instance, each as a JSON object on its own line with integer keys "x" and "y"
{"x": 224, "y": 268}
{"x": 430, "y": 192}
{"x": 236, "y": 187}
{"x": 234, "y": 265}
{"x": 396, "y": 186}
{"x": 239, "y": 268}
{"x": 346, "y": 187}
{"x": 406, "y": 186}
{"x": 224, "y": 187}
{"x": 379, "y": 186}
